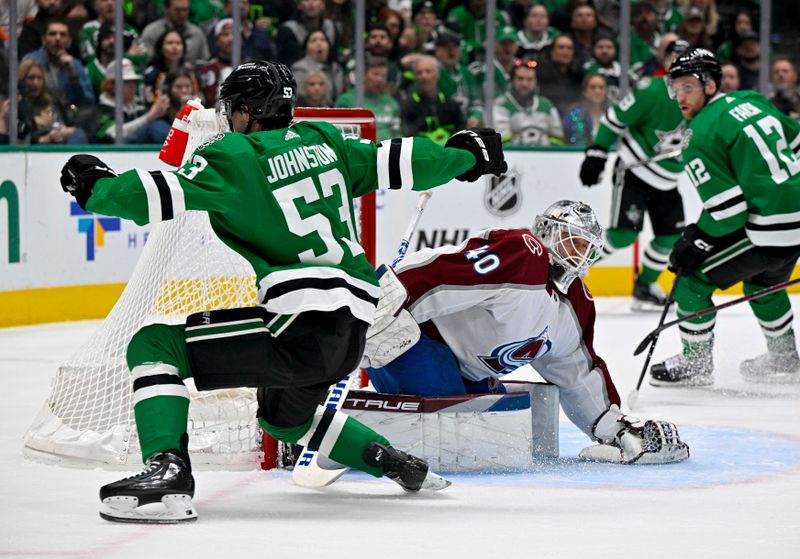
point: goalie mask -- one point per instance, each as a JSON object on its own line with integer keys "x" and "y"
{"x": 573, "y": 238}
{"x": 266, "y": 90}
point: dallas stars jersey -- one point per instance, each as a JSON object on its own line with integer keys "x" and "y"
{"x": 649, "y": 123}
{"x": 536, "y": 125}
{"x": 490, "y": 301}
{"x": 283, "y": 199}
{"x": 743, "y": 159}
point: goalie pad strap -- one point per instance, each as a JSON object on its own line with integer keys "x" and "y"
{"x": 229, "y": 348}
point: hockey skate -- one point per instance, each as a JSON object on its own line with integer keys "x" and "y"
{"x": 161, "y": 494}
{"x": 772, "y": 367}
{"x": 680, "y": 370}
{"x": 410, "y": 472}
{"x": 648, "y": 297}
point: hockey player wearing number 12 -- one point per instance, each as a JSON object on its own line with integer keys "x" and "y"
{"x": 281, "y": 195}
{"x": 503, "y": 299}
{"x": 742, "y": 157}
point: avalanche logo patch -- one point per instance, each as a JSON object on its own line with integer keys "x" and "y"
{"x": 514, "y": 355}
{"x": 533, "y": 245}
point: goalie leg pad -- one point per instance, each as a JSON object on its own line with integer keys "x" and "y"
{"x": 229, "y": 348}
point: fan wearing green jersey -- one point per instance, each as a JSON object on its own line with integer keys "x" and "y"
{"x": 281, "y": 195}
{"x": 647, "y": 124}
{"x": 742, "y": 157}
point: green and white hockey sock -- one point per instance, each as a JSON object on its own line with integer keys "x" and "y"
{"x": 161, "y": 407}
{"x": 656, "y": 258}
{"x": 333, "y": 434}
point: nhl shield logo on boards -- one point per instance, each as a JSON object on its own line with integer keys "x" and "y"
{"x": 503, "y": 194}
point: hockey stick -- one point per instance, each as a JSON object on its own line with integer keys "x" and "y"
{"x": 311, "y": 469}
{"x": 412, "y": 226}
{"x": 766, "y": 291}
{"x": 634, "y": 395}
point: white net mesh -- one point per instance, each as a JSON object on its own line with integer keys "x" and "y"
{"x": 184, "y": 268}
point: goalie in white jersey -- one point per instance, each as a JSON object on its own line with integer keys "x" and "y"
{"x": 503, "y": 299}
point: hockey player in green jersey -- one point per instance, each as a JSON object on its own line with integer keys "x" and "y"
{"x": 281, "y": 195}
{"x": 648, "y": 124}
{"x": 742, "y": 157}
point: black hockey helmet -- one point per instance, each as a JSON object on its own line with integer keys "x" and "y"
{"x": 267, "y": 90}
{"x": 697, "y": 62}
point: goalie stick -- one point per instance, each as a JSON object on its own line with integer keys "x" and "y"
{"x": 312, "y": 470}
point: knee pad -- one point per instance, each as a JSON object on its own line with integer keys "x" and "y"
{"x": 158, "y": 343}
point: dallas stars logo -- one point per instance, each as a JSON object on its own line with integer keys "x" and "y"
{"x": 670, "y": 140}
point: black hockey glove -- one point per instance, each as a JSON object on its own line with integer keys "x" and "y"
{"x": 79, "y": 175}
{"x": 487, "y": 147}
{"x": 593, "y": 165}
{"x": 690, "y": 250}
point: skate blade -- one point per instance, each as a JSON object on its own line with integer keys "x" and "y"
{"x": 171, "y": 510}
{"x": 435, "y": 482}
{"x": 776, "y": 378}
{"x": 686, "y": 383}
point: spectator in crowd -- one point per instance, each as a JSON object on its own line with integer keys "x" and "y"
{"x": 26, "y": 12}
{"x": 378, "y": 43}
{"x": 170, "y": 54}
{"x": 708, "y": 8}
{"x": 608, "y": 15}
{"x": 205, "y": 13}
{"x": 469, "y": 20}
{"x": 668, "y": 16}
{"x": 211, "y": 75}
{"x": 140, "y": 124}
{"x": 49, "y": 120}
{"x": 66, "y": 76}
{"x": 30, "y": 36}
{"x": 644, "y": 35}
{"x": 655, "y": 66}
{"x": 604, "y": 62}
{"x": 559, "y": 74}
{"x": 583, "y": 30}
{"x": 455, "y": 80}
{"x": 256, "y": 41}
{"x": 315, "y": 90}
{"x": 524, "y": 118}
{"x": 786, "y": 93}
{"x": 504, "y": 56}
{"x": 583, "y": 120}
{"x": 140, "y": 13}
{"x": 395, "y": 24}
{"x": 561, "y": 12}
{"x": 88, "y": 37}
{"x": 730, "y": 78}
{"x": 742, "y": 22}
{"x": 103, "y": 55}
{"x": 319, "y": 57}
{"x": 383, "y": 106}
{"x": 746, "y": 54}
{"x": 179, "y": 86}
{"x": 536, "y": 34}
{"x": 269, "y": 14}
{"x": 694, "y": 29}
{"x": 340, "y": 12}
{"x": 427, "y": 111}
{"x": 176, "y": 18}
{"x": 292, "y": 34}
{"x": 424, "y": 21}
{"x": 517, "y": 11}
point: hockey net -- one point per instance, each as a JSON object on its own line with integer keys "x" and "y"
{"x": 88, "y": 420}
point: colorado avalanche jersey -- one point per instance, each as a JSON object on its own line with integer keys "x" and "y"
{"x": 490, "y": 301}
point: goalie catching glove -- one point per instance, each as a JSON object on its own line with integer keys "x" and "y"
{"x": 487, "y": 147}
{"x": 623, "y": 442}
{"x": 79, "y": 175}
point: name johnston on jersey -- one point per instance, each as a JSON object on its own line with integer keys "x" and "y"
{"x": 300, "y": 159}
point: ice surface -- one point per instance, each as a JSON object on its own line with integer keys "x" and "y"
{"x": 738, "y": 495}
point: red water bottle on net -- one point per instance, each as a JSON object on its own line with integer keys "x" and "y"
{"x": 178, "y": 137}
